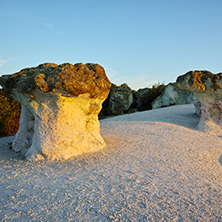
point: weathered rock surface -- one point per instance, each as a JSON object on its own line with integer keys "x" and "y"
{"x": 208, "y": 89}
{"x": 60, "y": 107}
{"x": 172, "y": 95}
{"x": 24, "y": 136}
{"x": 121, "y": 98}
{"x": 142, "y": 99}
{"x": 197, "y": 107}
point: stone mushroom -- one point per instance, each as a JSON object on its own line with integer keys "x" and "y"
{"x": 208, "y": 88}
{"x": 60, "y": 107}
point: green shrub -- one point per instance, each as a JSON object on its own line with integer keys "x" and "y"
{"x": 9, "y": 115}
{"x": 143, "y": 98}
{"x": 156, "y": 90}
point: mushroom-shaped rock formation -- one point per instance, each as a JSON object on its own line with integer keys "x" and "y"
{"x": 208, "y": 89}
{"x": 60, "y": 107}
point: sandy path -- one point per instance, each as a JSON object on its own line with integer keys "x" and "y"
{"x": 156, "y": 167}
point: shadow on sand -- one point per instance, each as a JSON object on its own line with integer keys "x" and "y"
{"x": 6, "y": 149}
{"x": 220, "y": 160}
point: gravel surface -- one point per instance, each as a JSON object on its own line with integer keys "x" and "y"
{"x": 156, "y": 167}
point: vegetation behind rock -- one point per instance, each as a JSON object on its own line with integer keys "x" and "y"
{"x": 9, "y": 115}
{"x": 143, "y": 98}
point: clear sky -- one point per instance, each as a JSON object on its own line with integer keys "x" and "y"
{"x": 140, "y": 42}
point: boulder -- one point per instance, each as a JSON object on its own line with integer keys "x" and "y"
{"x": 105, "y": 112}
{"x": 142, "y": 99}
{"x": 60, "y": 107}
{"x": 121, "y": 98}
{"x": 208, "y": 88}
{"x": 172, "y": 95}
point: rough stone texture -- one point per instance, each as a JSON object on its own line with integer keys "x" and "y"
{"x": 105, "y": 112}
{"x": 75, "y": 79}
{"x": 23, "y": 138}
{"x": 141, "y": 99}
{"x": 64, "y": 102}
{"x": 208, "y": 88}
{"x": 121, "y": 104}
{"x": 172, "y": 95}
{"x": 197, "y": 107}
{"x": 121, "y": 98}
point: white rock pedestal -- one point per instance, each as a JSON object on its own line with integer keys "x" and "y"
{"x": 63, "y": 127}
{"x": 24, "y": 136}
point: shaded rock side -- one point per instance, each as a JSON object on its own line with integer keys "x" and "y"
{"x": 60, "y": 107}
{"x": 197, "y": 107}
{"x": 24, "y": 136}
{"x": 121, "y": 98}
{"x": 172, "y": 95}
{"x": 142, "y": 99}
{"x": 208, "y": 88}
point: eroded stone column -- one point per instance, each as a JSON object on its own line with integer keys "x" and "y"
{"x": 208, "y": 89}
{"x": 23, "y": 138}
{"x": 66, "y": 126}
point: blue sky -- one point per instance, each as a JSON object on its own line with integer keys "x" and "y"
{"x": 140, "y": 42}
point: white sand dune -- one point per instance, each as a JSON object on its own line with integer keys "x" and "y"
{"x": 156, "y": 167}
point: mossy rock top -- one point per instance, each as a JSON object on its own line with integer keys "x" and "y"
{"x": 200, "y": 81}
{"x": 76, "y": 79}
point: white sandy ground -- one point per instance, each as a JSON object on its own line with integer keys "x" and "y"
{"x": 156, "y": 167}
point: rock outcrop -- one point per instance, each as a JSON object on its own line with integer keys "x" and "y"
{"x": 60, "y": 107}
{"x": 172, "y": 95}
{"x": 208, "y": 89}
{"x": 121, "y": 98}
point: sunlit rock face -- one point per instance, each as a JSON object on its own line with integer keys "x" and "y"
{"x": 60, "y": 107}
{"x": 208, "y": 89}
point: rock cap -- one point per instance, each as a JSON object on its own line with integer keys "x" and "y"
{"x": 76, "y": 79}
{"x": 200, "y": 81}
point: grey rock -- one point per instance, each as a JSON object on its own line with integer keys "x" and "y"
{"x": 197, "y": 106}
{"x": 142, "y": 99}
{"x": 172, "y": 95}
{"x": 121, "y": 98}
